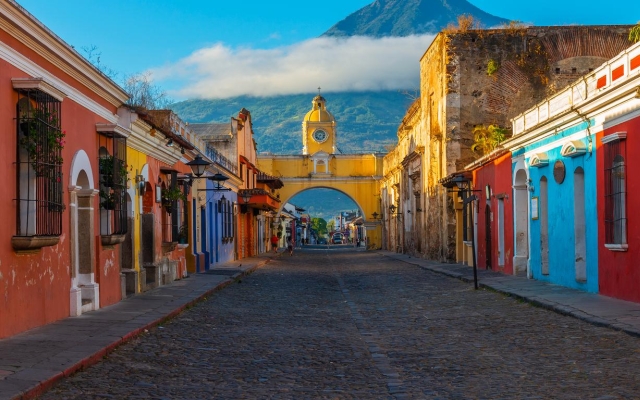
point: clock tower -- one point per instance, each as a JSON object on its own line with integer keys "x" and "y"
{"x": 318, "y": 129}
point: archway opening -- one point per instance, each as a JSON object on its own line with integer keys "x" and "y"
{"x": 327, "y": 213}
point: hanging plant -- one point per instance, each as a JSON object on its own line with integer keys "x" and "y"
{"x": 107, "y": 199}
{"x": 43, "y": 140}
{"x": 109, "y": 165}
{"x": 170, "y": 195}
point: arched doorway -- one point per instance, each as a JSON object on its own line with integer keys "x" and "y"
{"x": 521, "y": 219}
{"x": 330, "y": 211}
{"x": 85, "y": 291}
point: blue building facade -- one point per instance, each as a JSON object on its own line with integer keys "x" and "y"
{"x": 558, "y": 221}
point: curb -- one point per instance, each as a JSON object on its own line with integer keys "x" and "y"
{"x": 541, "y": 303}
{"x": 94, "y": 358}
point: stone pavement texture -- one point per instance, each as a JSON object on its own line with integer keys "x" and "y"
{"x": 33, "y": 361}
{"x": 343, "y": 324}
{"x": 335, "y": 324}
{"x": 593, "y": 308}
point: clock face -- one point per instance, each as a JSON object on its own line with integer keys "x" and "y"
{"x": 320, "y": 136}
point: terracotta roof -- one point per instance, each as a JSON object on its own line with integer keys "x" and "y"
{"x": 211, "y": 129}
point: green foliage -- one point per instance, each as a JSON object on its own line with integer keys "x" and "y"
{"x": 113, "y": 171}
{"x": 319, "y": 225}
{"x": 107, "y": 199}
{"x": 42, "y": 139}
{"x": 367, "y": 121}
{"x": 634, "y": 33}
{"x": 492, "y": 67}
{"x": 487, "y": 138}
{"x": 331, "y": 225}
{"x": 172, "y": 194}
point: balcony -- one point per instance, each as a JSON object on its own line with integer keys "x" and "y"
{"x": 259, "y": 199}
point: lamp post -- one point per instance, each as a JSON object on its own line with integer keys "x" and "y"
{"x": 464, "y": 186}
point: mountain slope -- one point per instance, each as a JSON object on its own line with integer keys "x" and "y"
{"x": 408, "y": 17}
{"x": 366, "y": 121}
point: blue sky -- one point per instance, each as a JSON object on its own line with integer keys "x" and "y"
{"x": 216, "y": 48}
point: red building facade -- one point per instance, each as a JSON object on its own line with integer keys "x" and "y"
{"x": 494, "y": 211}
{"x": 54, "y": 262}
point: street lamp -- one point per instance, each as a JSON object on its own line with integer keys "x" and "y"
{"x": 198, "y": 166}
{"x": 246, "y": 196}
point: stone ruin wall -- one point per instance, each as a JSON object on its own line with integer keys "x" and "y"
{"x": 458, "y": 94}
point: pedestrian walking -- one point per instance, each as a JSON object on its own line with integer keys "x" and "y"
{"x": 274, "y": 243}
{"x": 290, "y": 245}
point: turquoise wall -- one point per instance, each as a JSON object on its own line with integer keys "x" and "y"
{"x": 561, "y": 218}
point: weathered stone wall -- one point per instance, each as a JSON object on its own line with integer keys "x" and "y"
{"x": 458, "y": 94}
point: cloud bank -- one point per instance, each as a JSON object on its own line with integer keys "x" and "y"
{"x": 335, "y": 64}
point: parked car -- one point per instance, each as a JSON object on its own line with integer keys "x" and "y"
{"x": 338, "y": 238}
{"x": 322, "y": 241}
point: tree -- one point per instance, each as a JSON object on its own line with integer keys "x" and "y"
{"x": 466, "y": 22}
{"x": 634, "y": 33}
{"x": 319, "y": 225}
{"x": 331, "y": 225}
{"x": 487, "y": 138}
{"x": 144, "y": 93}
{"x": 93, "y": 55}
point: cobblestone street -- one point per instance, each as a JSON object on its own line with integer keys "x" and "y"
{"x": 344, "y": 324}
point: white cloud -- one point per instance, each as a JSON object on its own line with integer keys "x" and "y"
{"x": 335, "y": 64}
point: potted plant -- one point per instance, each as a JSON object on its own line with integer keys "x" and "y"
{"x": 109, "y": 165}
{"x": 107, "y": 199}
{"x": 170, "y": 195}
{"x": 42, "y": 139}
{"x": 183, "y": 234}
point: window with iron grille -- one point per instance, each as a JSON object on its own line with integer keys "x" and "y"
{"x": 39, "y": 164}
{"x": 173, "y": 207}
{"x": 615, "y": 190}
{"x": 225, "y": 208}
{"x": 113, "y": 186}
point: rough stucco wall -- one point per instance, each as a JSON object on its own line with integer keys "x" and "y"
{"x": 457, "y": 94}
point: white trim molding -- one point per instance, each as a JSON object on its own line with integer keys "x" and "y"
{"x": 617, "y": 247}
{"x": 38, "y": 84}
{"x": 573, "y": 148}
{"x": 613, "y": 137}
{"x": 539, "y": 160}
{"x": 113, "y": 128}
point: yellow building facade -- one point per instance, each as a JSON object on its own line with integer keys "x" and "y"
{"x": 321, "y": 166}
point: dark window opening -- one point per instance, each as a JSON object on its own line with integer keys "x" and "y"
{"x": 39, "y": 164}
{"x": 114, "y": 177}
{"x": 615, "y": 192}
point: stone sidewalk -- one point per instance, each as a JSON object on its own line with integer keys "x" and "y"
{"x": 593, "y": 308}
{"x": 33, "y": 361}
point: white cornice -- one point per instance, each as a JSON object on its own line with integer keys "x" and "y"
{"x": 27, "y": 29}
{"x": 38, "y": 84}
{"x": 141, "y": 141}
{"x": 613, "y": 137}
{"x": 29, "y": 67}
{"x": 113, "y": 128}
